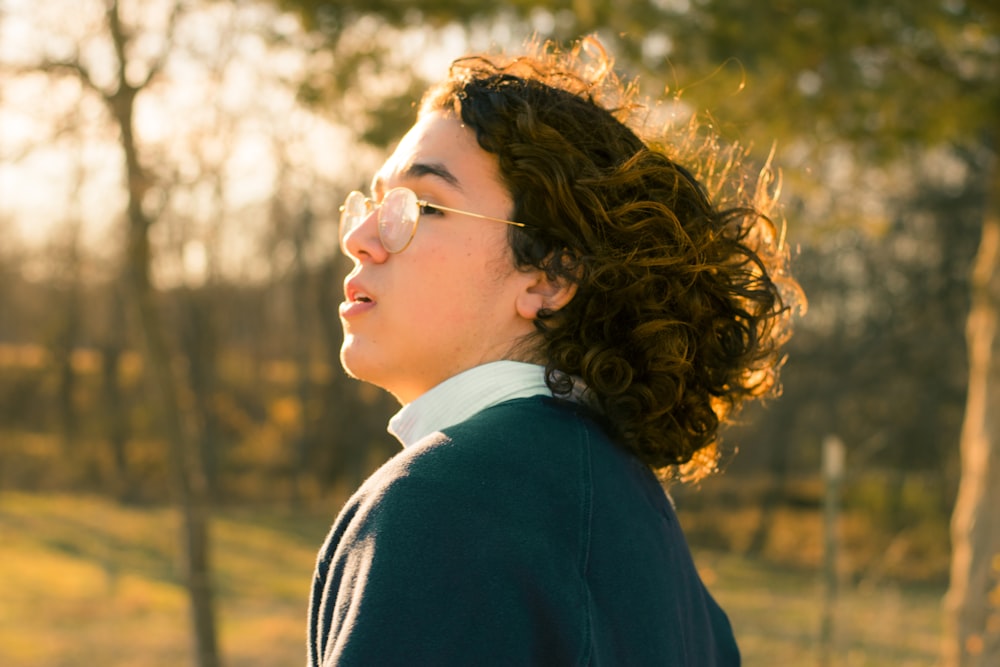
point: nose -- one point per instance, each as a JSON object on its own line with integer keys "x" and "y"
{"x": 363, "y": 240}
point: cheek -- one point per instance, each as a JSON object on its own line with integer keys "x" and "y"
{"x": 457, "y": 291}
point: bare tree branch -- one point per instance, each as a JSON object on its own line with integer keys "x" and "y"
{"x": 168, "y": 44}
{"x": 68, "y": 67}
{"x": 119, "y": 39}
{"x": 64, "y": 124}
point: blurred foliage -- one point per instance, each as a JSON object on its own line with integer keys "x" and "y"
{"x": 876, "y": 74}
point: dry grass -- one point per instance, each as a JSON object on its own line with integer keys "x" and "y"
{"x": 776, "y": 614}
{"x": 88, "y": 582}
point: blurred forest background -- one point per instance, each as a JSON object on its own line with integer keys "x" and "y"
{"x": 175, "y": 430}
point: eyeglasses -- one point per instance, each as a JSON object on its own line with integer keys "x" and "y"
{"x": 398, "y": 215}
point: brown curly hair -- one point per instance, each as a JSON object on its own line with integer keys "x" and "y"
{"x": 678, "y": 316}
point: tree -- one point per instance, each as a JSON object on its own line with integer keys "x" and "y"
{"x": 119, "y": 94}
{"x": 973, "y": 600}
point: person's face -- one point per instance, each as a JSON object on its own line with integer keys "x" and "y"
{"x": 448, "y": 302}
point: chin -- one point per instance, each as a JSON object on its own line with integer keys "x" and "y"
{"x": 358, "y": 362}
{"x": 351, "y": 360}
{"x": 361, "y": 366}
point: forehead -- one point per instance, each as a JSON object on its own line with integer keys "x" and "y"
{"x": 440, "y": 148}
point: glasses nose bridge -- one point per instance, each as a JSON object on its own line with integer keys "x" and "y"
{"x": 351, "y": 235}
{"x": 394, "y": 218}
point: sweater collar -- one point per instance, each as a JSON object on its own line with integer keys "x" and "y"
{"x": 463, "y": 395}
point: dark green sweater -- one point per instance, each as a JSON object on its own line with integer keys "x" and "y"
{"x": 522, "y": 536}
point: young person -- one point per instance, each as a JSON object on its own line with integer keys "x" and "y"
{"x": 562, "y": 310}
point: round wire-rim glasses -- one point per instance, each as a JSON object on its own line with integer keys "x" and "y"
{"x": 398, "y": 215}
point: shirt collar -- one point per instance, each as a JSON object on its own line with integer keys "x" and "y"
{"x": 463, "y": 395}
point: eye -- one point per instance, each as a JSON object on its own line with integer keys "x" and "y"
{"x": 429, "y": 209}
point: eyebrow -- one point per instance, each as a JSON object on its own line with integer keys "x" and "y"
{"x": 419, "y": 170}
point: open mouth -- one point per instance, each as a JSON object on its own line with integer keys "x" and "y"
{"x": 354, "y": 293}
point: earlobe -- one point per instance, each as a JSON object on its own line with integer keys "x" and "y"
{"x": 544, "y": 293}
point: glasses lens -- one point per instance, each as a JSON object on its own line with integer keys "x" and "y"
{"x": 353, "y": 213}
{"x": 397, "y": 219}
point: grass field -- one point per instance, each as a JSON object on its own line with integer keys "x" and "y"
{"x": 84, "y": 581}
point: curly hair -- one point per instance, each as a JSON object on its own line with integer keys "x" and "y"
{"x": 678, "y": 315}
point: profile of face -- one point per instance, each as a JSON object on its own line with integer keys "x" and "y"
{"x": 452, "y": 299}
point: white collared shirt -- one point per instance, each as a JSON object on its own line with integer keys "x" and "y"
{"x": 463, "y": 395}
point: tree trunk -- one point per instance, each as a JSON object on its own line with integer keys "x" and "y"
{"x": 116, "y": 418}
{"x": 973, "y": 600}
{"x": 303, "y": 359}
{"x": 67, "y": 334}
{"x": 200, "y": 347}
{"x": 67, "y": 329}
{"x": 189, "y": 481}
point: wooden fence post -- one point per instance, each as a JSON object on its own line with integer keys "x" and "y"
{"x": 833, "y": 475}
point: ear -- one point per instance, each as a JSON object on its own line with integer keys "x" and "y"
{"x": 542, "y": 293}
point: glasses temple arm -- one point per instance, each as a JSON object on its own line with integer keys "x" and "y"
{"x": 474, "y": 215}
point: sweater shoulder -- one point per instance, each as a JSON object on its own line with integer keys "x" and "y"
{"x": 522, "y": 457}
{"x": 528, "y": 426}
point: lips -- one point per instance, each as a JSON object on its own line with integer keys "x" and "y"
{"x": 354, "y": 291}
{"x": 358, "y": 295}
{"x": 357, "y": 299}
